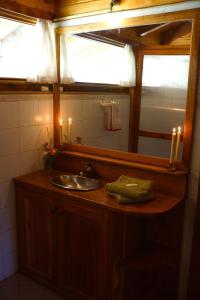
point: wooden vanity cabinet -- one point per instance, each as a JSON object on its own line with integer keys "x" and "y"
{"x": 81, "y": 250}
{"x": 63, "y": 244}
{"x": 36, "y": 226}
{"x": 88, "y": 247}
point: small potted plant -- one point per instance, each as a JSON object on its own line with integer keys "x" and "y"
{"x": 49, "y": 155}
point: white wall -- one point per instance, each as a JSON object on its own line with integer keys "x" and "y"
{"x": 89, "y": 121}
{"x": 23, "y": 122}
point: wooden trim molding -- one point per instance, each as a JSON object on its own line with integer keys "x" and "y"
{"x": 21, "y": 85}
{"x": 168, "y": 50}
{"x": 192, "y": 90}
{"x": 17, "y": 17}
{"x": 155, "y": 135}
{"x": 135, "y": 94}
{"x": 94, "y": 87}
{"x": 122, "y": 157}
{"x": 56, "y": 113}
{"x": 56, "y": 96}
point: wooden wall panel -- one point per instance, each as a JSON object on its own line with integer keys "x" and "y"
{"x": 36, "y": 8}
{"x": 76, "y": 7}
{"x": 69, "y": 8}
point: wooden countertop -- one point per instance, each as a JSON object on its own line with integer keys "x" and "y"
{"x": 39, "y": 182}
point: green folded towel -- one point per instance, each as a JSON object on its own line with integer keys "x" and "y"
{"x": 130, "y": 187}
{"x": 124, "y": 199}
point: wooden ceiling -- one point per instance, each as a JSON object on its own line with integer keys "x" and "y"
{"x": 83, "y": 7}
{"x": 51, "y": 9}
{"x": 44, "y": 9}
{"x": 166, "y": 34}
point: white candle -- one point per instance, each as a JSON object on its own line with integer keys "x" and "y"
{"x": 171, "y": 160}
{"x": 178, "y": 143}
{"x": 69, "y": 130}
{"x": 61, "y": 132}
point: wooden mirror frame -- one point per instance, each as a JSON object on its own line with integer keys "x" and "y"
{"x": 135, "y": 158}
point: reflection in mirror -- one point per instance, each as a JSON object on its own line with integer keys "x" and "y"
{"x": 89, "y": 125}
{"x": 163, "y": 101}
{"x": 142, "y": 118}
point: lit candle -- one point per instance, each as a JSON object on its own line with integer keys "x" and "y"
{"x": 171, "y": 160}
{"x": 69, "y": 130}
{"x": 178, "y": 143}
{"x": 61, "y": 132}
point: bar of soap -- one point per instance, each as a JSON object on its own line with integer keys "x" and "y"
{"x": 131, "y": 184}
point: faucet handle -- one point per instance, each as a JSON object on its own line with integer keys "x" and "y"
{"x": 89, "y": 171}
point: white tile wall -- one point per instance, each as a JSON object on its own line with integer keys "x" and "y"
{"x": 89, "y": 121}
{"x": 24, "y": 120}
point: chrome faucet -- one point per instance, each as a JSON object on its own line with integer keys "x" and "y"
{"x": 89, "y": 171}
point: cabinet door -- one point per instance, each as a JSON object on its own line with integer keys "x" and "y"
{"x": 82, "y": 257}
{"x": 35, "y": 232}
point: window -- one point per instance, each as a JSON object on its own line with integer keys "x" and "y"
{"x": 15, "y": 38}
{"x": 94, "y": 62}
{"x": 165, "y": 71}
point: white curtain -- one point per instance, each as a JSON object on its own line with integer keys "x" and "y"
{"x": 42, "y": 65}
{"x": 127, "y": 69}
{"x": 65, "y": 68}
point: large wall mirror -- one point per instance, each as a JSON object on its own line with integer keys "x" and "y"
{"x": 140, "y": 118}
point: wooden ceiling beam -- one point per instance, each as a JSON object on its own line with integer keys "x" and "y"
{"x": 176, "y": 35}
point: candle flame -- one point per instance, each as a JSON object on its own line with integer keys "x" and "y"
{"x": 174, "y": 130}
{"x": 61, "y": 122}
{"x": 179, "y": 129}
{"x": 70, "y": 121}
{"x": 38, "y": 118}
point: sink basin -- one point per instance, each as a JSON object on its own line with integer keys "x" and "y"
{"x": 76, "y": 182}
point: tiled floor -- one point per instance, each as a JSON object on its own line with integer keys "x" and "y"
{"x": 19, "y": 287}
